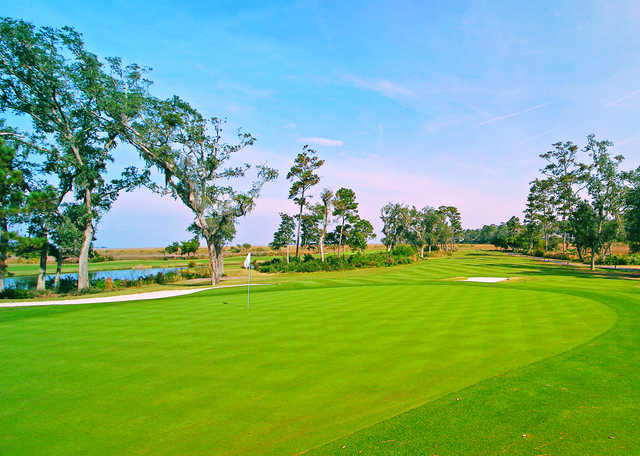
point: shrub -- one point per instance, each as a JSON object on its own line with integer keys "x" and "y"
{"x": 335, "y": 263}
{"x": 403, "y": 250}
{"x": 16, "y": 293}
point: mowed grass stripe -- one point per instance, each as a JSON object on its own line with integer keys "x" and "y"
{"x": 308, "y": 362}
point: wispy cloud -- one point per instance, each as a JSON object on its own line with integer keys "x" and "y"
{"x": 622, "y": 99}
{"x": 513, "y": 114}
{"x": 382, "y": 86}
{"x": 534, "y": 137}
{"x": 321, "y": 141}
{"x": 290, "y": 126}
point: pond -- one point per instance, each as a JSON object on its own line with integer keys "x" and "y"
{"x": 28, "y": 282}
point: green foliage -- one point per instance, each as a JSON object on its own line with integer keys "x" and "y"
{"x": 172, "y": 248}
{"x": 403, "y": 250}
{"x": 285, "y": 234}
{"x": 193, "y": 156}
{"x": 309, "y": 263}
{"x": 189, "y": 247}
{"x": 303, "y": 177}
{"x": 358, "y": 233}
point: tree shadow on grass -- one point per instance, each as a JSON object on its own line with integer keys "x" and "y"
{"x": 554, "y": 269}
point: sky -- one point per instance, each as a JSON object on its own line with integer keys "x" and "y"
{"x": 423, "y": 103}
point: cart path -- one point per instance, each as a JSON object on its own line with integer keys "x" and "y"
{"x": 120, "y": 298}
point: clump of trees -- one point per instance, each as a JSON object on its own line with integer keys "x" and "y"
{"x": 424, "y": 228}
{"x": 55, "y": 186}
{"x": 310, "y": 227}
{"x": 582, "y": 198}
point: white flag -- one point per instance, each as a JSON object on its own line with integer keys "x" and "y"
{"x": 247, "y": 261}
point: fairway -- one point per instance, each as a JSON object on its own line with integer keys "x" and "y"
{"x": 315, "y": 359}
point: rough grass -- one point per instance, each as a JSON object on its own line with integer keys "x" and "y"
{"x": 373, "y": 360}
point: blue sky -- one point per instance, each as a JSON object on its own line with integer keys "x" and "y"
{"x": 422, "y": 103}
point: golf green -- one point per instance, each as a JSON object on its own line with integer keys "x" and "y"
{"x": 315, "y": 358}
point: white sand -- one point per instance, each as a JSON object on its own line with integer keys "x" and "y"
{"x": 486, "y": 279}
{"x": 121, "y": 298}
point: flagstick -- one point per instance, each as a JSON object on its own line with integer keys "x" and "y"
{"x": 249, "y": 287}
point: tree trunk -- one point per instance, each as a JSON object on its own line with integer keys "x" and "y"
{"x": 429, "y": 249}
{"x": 42, "y": 276}
{"x": 83, "y": 258}
{"x": 340, "y": 238}
{"x": 298, "y": 234}
{"x": 321, "y": 242}
{"x": 564, "y": 242}
{"x": 593, "y": 259}
{"x": 56, "y": 281}
{"x": 215, "y": 260}
{"x": 287, "y": 253}
{"x": 422, "y": 251}
{"x": 4, "y": 250}
{"x": 220, "y": 265}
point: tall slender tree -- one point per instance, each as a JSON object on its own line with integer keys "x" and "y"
{"x": 323, "y": 210}
{"x": 345, "y": 208}
{"x": 303, "y": 177}
{"x": 606, "y": 192}
{"x": 540, "y": 208}
{"x": 565, "y": 174}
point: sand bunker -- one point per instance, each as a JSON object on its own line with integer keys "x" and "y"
{"x": 486, "y": 279}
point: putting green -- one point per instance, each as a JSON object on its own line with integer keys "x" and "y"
{"x": 305, "y": 365}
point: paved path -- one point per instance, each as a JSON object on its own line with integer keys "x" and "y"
{"x": 120, "y": 298}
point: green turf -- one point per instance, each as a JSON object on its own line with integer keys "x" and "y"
{"x": 335, "y": 357}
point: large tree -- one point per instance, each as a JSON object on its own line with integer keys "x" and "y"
{"x": 194, "y": 159}
{"x": 452, "y": 227}
{"x": 283, "y": 237}
{"x": 359, "y": 233}
{"x": 393, "y": 224}
{"x": 606, "y": 192}
{"x": 77, "y": 110}
{"x": 632, "y": 212}
{"x": 420, "y": 225}
{"x": 303, "y": 177}
{"x": 345, "y": 208}
{"x": 565, "y": 175}
{"x": 540, "y": 208}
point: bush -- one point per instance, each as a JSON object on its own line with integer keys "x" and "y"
{"x": 403, "y": 250}
{"x": 16, "y": 293}
{"x": 100, "y": 259}
{"x": 335, "y": 263}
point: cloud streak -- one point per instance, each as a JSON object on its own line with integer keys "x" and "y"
{"x": 384, "y": 87}
{"x": 622, "y": 99}
{"x": 321, "y": 141}
{"x": 513, "y": 114}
